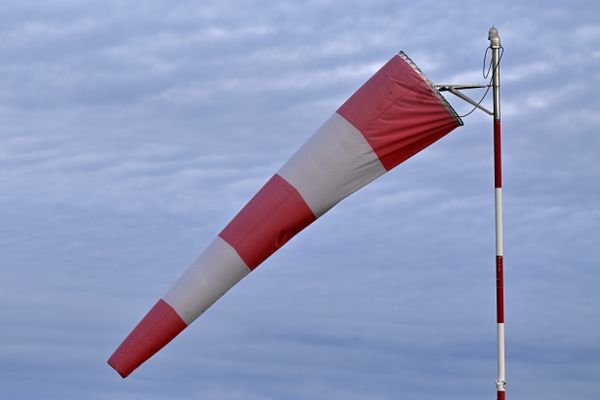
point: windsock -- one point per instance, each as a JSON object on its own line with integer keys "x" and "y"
{"x": 394, "y": 115}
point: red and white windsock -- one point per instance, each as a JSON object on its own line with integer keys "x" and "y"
{"x": 394, "y": 115}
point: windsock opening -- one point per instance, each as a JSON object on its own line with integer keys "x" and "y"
{"x": 393, "y": 116}
{"x": 433, "y": 88}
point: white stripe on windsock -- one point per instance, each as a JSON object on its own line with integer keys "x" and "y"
{"x": 214, "y": 272}
{"x": 334, "y": 163}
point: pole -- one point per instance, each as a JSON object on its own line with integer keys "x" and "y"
{"x": 495, "y": 45}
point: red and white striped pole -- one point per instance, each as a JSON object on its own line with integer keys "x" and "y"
{"x": 495, "y": 45}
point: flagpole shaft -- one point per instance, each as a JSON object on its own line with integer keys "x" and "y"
{"x": 495, "y": 45}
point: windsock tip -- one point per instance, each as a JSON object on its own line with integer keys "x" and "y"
{"x": 155, "y": 330}
{"x": 114, "y": 364}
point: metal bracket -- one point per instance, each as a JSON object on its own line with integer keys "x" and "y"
{"x": 443, "y": 87}
{"x": 454, "y": 89}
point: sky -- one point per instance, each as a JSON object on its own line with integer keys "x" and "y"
{"x": 131, "y": 133}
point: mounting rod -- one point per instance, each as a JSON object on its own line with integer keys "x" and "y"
{"x": 444, "y": 87}
{"x": 454, "y": 89}
{"x": 469, "y": 100}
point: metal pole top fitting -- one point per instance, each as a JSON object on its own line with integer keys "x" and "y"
{"x": 494, "y": 38}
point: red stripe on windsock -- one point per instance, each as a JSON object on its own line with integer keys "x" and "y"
{"x": 398, "y": 113}
{"x": 154, "y": 331}
{"x": 273, "y": 216}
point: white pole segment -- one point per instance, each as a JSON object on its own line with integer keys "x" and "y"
{"x": 498, "y": 211}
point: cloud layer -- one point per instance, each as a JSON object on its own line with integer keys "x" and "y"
{"x": 130, "y": 134}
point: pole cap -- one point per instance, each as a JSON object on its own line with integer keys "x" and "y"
{"x": 494, "y": 38}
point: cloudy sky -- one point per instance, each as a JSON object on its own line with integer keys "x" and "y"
{"x": 130, "y": 133}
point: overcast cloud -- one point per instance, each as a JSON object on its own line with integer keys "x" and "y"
{"x": 130, "y": 133}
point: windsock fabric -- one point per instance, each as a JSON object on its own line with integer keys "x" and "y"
{"x": 394, "y": 115}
